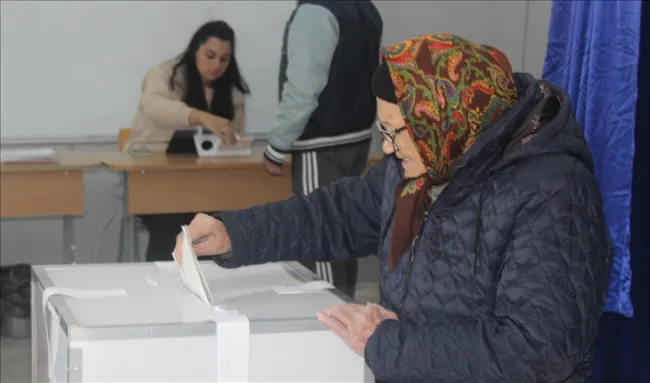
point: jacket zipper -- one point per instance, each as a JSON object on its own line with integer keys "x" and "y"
{"x": 477, "y": 228}
{"x": 381, "y": 241}
{"x": 412, "y": 260}
{"x": 384, "y": 231}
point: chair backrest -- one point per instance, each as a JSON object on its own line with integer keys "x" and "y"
{"x": 123, "y": 137}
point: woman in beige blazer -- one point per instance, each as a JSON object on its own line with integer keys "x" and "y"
{"x": 202, "y": 87}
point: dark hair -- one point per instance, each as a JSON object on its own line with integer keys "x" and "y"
{"x": 194, "y": 95}
{"x": 382, "y": 84}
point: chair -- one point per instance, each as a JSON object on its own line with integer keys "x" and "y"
{"x": 123, "y": 137}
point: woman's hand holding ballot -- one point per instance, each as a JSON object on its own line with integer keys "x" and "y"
{"x": 209, "y": 237}
{"x": 353, "y": 323}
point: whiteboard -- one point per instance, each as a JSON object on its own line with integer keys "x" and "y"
{"x": 73, "y": 69}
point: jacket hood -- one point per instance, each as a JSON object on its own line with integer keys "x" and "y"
{"x": 562, "y": 134}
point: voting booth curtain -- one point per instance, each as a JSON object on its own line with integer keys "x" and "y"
{"x": 594, "y": 52}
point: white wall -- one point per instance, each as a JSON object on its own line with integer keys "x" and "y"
{"x": 94, "y": 55}
{"x": 517, "y": 27}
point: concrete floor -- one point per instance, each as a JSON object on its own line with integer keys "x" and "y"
{"x": 15, "y": 354}
{"x": 15, "y": 360}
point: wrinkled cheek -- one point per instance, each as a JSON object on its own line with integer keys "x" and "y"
{"x": 421, "y": 168}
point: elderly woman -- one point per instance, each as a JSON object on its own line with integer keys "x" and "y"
{"x": 486, "y": 216}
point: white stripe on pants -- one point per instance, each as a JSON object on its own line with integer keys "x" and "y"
{"x": 309, "y": 184}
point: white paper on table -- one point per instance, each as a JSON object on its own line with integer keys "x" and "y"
{"x": 190, "y": 268}
{"x": 27, "y": 155}
{"x": 243, "y": 147}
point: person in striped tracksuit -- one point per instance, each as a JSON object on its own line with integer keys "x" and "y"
{"x": 327, "y": 112}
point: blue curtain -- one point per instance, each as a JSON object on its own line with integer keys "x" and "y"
{"x": 597, "y": 51}
{"x": 593, "y": 52}
{"x": 623, "y": 349}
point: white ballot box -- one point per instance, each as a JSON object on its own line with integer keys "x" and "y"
{"x": 138, "y": 322}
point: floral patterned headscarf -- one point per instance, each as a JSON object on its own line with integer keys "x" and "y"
{"x": 449, "y": 91}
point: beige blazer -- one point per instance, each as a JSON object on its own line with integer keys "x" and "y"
{"x": 161, "y": 110}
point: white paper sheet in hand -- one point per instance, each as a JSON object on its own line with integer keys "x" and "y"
{"x": 191, "y": 273}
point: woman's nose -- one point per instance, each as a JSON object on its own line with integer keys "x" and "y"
{"x": 387, "y": 147}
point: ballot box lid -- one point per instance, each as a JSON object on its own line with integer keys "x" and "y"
{"x": 156, "y": 303}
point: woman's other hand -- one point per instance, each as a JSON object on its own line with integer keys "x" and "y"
{"x": 355, "y": 323}
{"x": 209, "y": 237}
{"x": 217, "y": 125}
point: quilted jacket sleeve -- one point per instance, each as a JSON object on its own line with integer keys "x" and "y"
{"x": 333, "y": 222}
{"x": 553, "y": 281}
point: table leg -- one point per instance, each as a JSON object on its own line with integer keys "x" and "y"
{"x": 121, "y": 245}
{"x": 68, "y": 240}
{"x": 124, "y": 227}
{"x": 127, "y": 232}
{"x": 137, "y": 257}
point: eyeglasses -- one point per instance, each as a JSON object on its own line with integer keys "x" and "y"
{"x": 390, "y": 136}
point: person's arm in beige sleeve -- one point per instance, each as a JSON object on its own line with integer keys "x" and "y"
{"x": 239, "y": 119}
{"x": 158, "y": 105}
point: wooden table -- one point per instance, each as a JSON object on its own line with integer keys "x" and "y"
{"x": 184, "y": 183}
{"x": 160, "y": 183}
{"x": 52, "y": 189}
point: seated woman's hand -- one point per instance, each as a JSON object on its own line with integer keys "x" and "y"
{"x": 215, "y": 124}
{"x": 355, "y": 323}
{"x": 209, "y": 237}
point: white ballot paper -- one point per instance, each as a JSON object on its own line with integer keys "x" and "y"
{"x": 233, "y": 329}
{"x": 191, "y": 273}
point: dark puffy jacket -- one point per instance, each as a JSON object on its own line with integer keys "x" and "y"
{"x": 508, "y": 278}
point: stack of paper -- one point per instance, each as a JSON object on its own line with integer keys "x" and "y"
{"x": 27, "y": 155}
{"x": 243, "y": 147}
{"x": 217, "y": 148}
